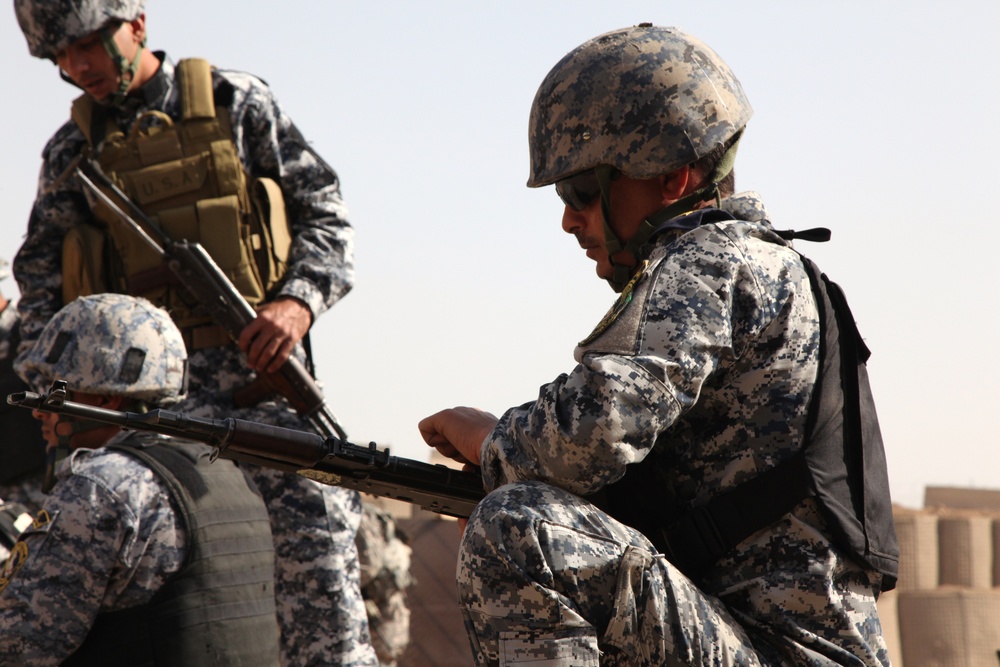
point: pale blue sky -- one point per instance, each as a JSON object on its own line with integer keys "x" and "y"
{"x": 875, "y": 119}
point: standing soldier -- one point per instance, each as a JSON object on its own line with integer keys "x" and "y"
{"x": 145, "y": 552}
{"x": 707, "y": 486}
{"x": 213, "y": 157}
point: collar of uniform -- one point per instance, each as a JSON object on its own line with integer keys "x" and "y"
{"x": 154, "y": 92}
{"x": 746, "y": 206}
{"x": 683, "y": 224}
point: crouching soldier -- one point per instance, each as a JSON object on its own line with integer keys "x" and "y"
{"x": 145, "y": 552}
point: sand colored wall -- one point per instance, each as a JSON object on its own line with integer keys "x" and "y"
{"x": 945, "y": 611}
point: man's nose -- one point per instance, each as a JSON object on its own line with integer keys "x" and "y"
{"x": 573, "y": 221}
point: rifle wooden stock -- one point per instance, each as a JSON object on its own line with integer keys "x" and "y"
{"x": 326, "y": 459}
{"x": 204, "y": 280}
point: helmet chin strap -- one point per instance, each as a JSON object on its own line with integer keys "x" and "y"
{"x": 127, "y": 69}
{"x": 623, "y": 273}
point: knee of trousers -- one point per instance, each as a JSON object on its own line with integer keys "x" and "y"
{"x": 503, "y": 521}
{"x": 503, "y": 531}
{"x": 518, "y": 506}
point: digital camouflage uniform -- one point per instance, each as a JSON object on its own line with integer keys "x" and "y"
{"x": 320, "y": 607}
{"x": 83, "y": 562}
{"x": 710, "y": 366}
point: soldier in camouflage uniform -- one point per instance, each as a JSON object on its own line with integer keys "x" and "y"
{"x": 385, "y": 575}
{"x": 99, "y": 46}
{"x": 139, "y": 530}
{"x": 697, "y": 383}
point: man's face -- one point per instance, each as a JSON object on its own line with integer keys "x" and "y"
{"x": 49, "y": 422}
{"x": 632, "y": 201}
{"x": 91, "y": 67}
{"x": 54, "y": 424}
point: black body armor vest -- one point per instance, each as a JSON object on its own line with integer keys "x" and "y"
{"x": 841, "y": 463}
{"x": 219, "y": 608}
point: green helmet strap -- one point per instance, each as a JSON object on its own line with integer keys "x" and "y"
{"x": 623, "y": 273}
{"x": 605, "y": 175}
{"x": 126, "y": 69}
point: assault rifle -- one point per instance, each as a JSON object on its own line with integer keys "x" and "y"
{"x": 328, "y": 460}
{"x": 202, "y": 277}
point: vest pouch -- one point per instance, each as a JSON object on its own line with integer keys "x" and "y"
{"x": 271, "y": 237}
{"x": 227, "y": 239}
{"x": 160, "y": 142}
{"x": 124, "y": 253}
{"x": 82, "y": 262}
{"x": 181, "y": 181}
{"x": 186, "y": 174}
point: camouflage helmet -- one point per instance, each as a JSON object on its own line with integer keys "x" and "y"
{"x": 51, "y": 25}
{"x": 646, "y": 100}
{"x": 113, "y": 345}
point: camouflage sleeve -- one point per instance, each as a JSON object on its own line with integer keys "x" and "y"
{"x": 583, "y": 429}
{"x": 59, "y": 205}
{"x": 321, "y": 266}
{"x": 52, "y": 587}
{"x": 639, "y": 375}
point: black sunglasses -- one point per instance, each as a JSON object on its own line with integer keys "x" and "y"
{"x": 580, "y": 190}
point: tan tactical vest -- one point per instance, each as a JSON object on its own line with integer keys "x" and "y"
{"x": 187, "y": 177}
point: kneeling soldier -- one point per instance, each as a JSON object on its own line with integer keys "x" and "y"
{"x": 145, "y": 551}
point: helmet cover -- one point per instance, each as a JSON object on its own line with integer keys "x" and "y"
{"x": 51, "y": 25}
{"x": 113, "y": 345}
{"x": 646, "y": 100}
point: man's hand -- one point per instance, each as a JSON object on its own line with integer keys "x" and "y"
{"x": 458, "y": 433}
{"x": 268, "y": 341}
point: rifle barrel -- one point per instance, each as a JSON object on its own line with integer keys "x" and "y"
{"x": 326, "y": 459}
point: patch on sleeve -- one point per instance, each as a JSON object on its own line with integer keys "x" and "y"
{"x": 624, "y": 299}
{"x": 42, "y": 519}
{"x": 17, "y": 558}
{"x": 20, "y": 551}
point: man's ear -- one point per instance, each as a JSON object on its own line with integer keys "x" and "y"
{"x": 675, "y": 185}
{"x": 139, "y": 28}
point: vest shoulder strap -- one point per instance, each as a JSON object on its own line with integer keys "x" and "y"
{"x": 92, "y": 120}
{"x": 194, "y": 81}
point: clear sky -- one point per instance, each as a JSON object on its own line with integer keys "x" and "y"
{"x": 875, "y": 119}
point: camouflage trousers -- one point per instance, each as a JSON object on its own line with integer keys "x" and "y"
{"x": 317, "y": 576}
{"x": 545, "y": 577}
